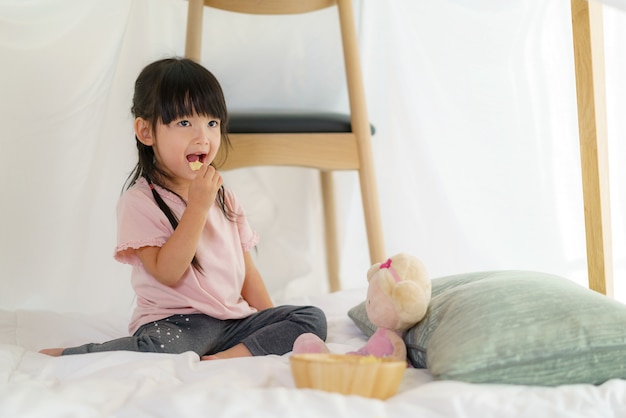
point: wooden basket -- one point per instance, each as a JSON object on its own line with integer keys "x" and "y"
{"x": 348, "y": 374}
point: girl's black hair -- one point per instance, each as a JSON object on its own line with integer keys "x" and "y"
{"x": 166, "y": 90}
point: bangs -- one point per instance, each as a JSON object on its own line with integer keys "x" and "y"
{"x": 188, "y": 89}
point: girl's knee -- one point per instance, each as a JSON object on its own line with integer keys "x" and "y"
{"x": 315, "y": 319}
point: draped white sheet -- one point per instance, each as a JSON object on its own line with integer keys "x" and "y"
{"x": 476, "y": 144}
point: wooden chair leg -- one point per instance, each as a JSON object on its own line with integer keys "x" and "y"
{"x": 330, "y": 230}
{"x": 361, "y": 128}
{"x": 371, "y": 212}
{"x": 193, "y": 43}
{"x": 590, "y": 94}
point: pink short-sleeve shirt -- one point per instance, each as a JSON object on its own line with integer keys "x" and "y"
{"x": 215, "y": 290}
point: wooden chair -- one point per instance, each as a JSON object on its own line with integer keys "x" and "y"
{"x": 323, "y": 141}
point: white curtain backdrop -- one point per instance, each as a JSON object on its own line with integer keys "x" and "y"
{"x": 476, "y": 139}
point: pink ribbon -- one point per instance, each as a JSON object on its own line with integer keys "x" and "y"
{"x": 387, "y": 265}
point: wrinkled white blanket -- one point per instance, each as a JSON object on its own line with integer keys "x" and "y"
{"x": 126, "y": 384}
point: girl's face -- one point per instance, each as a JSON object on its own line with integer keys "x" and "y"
{"x": 182, "y": 141}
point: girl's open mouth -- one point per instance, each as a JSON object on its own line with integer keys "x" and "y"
{"x": 196, "y": 157}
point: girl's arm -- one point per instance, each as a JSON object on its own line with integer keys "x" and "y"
{"x": 254, "y": 290}
{"x": 168, "y": 263}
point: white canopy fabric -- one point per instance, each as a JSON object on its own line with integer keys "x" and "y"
{"x": 476, "y": 141}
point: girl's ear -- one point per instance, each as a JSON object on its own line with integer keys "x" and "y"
{"x": 143, "y": 131}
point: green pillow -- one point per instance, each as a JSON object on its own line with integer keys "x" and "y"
{"x": 516, "y": 327}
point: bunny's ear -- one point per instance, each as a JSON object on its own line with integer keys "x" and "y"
{"x": 372, "y": 270}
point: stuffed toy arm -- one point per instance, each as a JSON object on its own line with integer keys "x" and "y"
{"x": 384, "y": 343}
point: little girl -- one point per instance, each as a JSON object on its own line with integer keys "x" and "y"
{"x": 187, "y": 237}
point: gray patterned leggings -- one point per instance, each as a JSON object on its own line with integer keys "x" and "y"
{"x": 271, "y": 331}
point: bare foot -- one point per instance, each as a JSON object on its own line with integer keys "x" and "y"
{"x": 239, "y": 350}
{"x": 309, "y": 343}
{"x": 54, "y": 352}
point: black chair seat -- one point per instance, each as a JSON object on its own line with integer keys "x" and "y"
{"x": 289, "y": 122}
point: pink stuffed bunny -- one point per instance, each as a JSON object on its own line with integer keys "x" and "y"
{"x": 398, "y": 295}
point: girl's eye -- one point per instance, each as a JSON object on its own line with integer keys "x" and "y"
{"x": 213, "y": 123}
{"x": 184, "y": 123}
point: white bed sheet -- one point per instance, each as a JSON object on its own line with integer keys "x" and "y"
{"x": 127, "y": 384}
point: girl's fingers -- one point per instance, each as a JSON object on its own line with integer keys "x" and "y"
{"x": 209, "y": 171}
{"x": 209, "y": 180}
{"x": 213, "y": 175}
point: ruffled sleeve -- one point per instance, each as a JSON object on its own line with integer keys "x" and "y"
{"x": 140, "y": 223}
